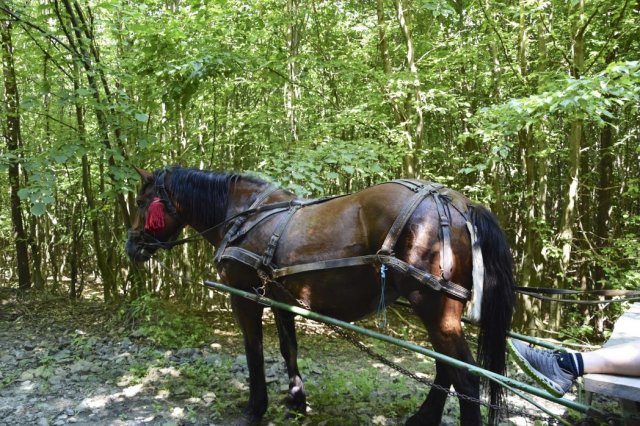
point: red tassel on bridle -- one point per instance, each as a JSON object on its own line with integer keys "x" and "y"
{"x": 155, "y": 216}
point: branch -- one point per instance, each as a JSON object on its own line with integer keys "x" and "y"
{"x": 613, "y": 36}
{"x": 54, "y": 119}
{"x": 564, "y": 55}
{"x": 583, "y": 29}
{"x": 46, "y": 34}
{"x": 295, "y": 83}
{"x": 502, "y": 45}
{"x": 48, "y": 55}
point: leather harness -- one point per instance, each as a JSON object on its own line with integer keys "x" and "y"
{"x": 385, "y": 256}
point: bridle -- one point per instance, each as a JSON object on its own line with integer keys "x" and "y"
{"x": 161, "y": 192}
{"x": 147, "y": 239}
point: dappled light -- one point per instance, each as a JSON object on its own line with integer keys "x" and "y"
{"x": 317, "y": 153}
{"x": 89, "y": 376}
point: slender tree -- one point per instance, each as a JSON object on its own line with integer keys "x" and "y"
{"x": 13, "y": 136}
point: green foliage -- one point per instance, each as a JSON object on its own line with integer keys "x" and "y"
{"x": 7, "y": 380}
{"x": 307, "y": 97}
{"x": 624, "y": 271}
{"x": 332, "y": 166}
{"x": 363, "y": 387}
{"x": 592, "y": 99}
{"x": 164, "y": 323}
{"x": 40, "y": 193}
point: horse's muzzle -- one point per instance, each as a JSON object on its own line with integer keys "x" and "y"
{"x": 136, "y": 248}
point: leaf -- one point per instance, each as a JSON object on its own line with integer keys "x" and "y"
{"x": 142, "y": 117}
{"x": 332, "y": 175}
{"x": 83, "y": 91}
{"x": 38, "y": 209}
{"x": 24, "y": 193}
{"x": 348, "y": 169}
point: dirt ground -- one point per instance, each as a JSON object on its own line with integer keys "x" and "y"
{"x": 74, "y": 363}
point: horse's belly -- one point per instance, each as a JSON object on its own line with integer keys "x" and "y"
{"x": 348, "y": 294}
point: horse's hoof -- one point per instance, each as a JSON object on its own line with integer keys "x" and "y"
{"x": 248, "y": 418}
{"x": 296, "y": 400}
{"x": 417, "y": 420}
{"x": 296, "y": 405}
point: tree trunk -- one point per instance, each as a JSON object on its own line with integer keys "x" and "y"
{"x": 415, "y": 133}
{"x": 12, "y": 135}
{"x": 85, "y": 50}
{"x": 397, "y": 110}
{"x": 569, "y": 211}
{"x": 574, "y": 141}
{"x": 291, "y": 86}
{"x": 103, "y": 266}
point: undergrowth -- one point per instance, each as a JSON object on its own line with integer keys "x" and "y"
{"x": 164, "y": 323}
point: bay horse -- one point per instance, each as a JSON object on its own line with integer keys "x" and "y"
{"x": 329, "y": 255}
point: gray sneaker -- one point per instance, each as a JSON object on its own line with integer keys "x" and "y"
{"x": 542, "y": 366}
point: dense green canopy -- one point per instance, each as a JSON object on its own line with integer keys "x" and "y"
{"x": 528, "y": 106}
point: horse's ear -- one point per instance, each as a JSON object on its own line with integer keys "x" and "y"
{"x": 145, "y": 175}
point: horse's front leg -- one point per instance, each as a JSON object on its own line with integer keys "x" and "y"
{"x": 249, "y": 317}
{"x": 296, "y": 400}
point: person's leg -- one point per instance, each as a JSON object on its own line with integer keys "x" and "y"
{"x": 621, "y": 359}
{"x": 542, "y": 365}
{"x": 556, "y": 371}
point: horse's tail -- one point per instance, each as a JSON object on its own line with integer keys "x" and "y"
{"x": 498, "y": 297}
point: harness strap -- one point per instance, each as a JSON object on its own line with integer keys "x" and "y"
{"x": 244, "y": 256}
{"x": 326, "y": 264}
{"x": 391, "y": 261}
{"x": 412, "y": 184}
{"x": 246, "y": 229}
{"x": 477, "y": 271}
{"x": 385, "y": 254}
{"x": 421, "y": 191}
{"x": 239, "y": 221}
{"x": 277, "y": 233}
{"x": 446, "y": 255}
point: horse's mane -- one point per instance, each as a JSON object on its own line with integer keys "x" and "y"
{"x": 203, "y": 194}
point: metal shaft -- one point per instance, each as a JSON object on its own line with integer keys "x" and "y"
{"x": 407, "y": 345}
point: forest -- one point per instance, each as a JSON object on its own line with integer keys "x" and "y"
{"x": 530, "y": 107}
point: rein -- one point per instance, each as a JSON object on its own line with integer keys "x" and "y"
{"x": 150, "y": 241}
{"x": 545, "y": 293}
{"x": 541, "y": 293}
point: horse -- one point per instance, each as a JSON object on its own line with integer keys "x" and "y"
{"x": 329, "y": 254}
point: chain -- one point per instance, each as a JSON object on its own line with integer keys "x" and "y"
{"x": 263, "y": 289}
{"x": 400, "y": 369}
{"x": 266, "y": 280}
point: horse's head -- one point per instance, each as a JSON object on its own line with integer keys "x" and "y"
{"x": 157, "y": 221}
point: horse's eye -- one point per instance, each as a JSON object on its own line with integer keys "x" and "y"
{"x": 140, "y": 203}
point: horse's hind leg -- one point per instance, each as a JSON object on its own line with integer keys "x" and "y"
{"x": 249, "y": 317}
{"x": 430, "y": 413}
{"x": 441, "y": 316}
{"x": 296, "y": 400}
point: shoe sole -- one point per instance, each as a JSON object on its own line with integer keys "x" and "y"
{"x": 542, "y": 380}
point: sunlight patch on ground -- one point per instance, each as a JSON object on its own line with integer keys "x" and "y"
{"x": 379, "y": 420}
{"x": 177, "y": 413}
{"x": 131, "y": 391}
{"x": 27, "y": 387}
